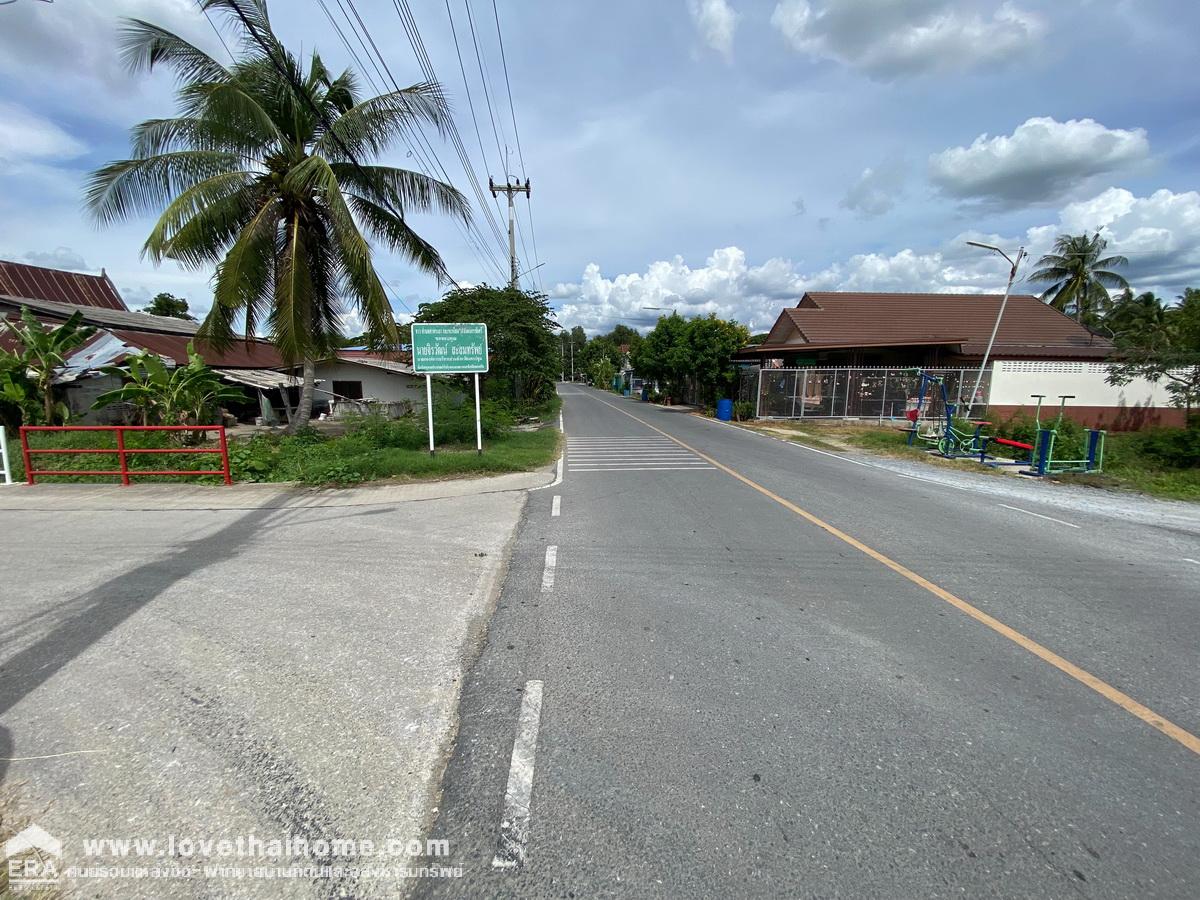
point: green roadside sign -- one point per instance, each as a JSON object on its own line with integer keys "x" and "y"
{"x": 450, "y": 348}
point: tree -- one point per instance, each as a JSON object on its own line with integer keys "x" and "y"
{"x": 663, "y": 354}
{"x": 262, "y": 175}
{"x": 44, "y": 350}
{"x": 1080, "y": 276}
{"x": 711, "y": 345}
{"x": 182, "y": 395}
{"x": 169, "y": 305}
{"x": 603, "y": 372}
{"x": 523, "y": 348}
{"x": 1170, "y": 352}
{"x": 1138, "y": 321}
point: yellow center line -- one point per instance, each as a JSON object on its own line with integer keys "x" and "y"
{"x": 1103, "y": 688}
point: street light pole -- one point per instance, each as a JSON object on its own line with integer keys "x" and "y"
{"x": 1012, "y": 275}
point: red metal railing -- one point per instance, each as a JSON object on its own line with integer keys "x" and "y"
{"x": 122, "y": 452}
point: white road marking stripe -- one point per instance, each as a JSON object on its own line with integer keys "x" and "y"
{"x": 649, "y": 469}
{"x": 514, "y": 826}
{"x": 548, "y": 571}
{"x": 1193, "y": 561}
{"x": 1039, "y": 515}
{"x": 632, "y": 456}
{"x": 556, "y": 505}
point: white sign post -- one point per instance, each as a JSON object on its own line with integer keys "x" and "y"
{"x": 429, "y": 408}
{"x": 8, "y": 468}
{"x": 453, "y": 348}
{"x": 478, "y": 426}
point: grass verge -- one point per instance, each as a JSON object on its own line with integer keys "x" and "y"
{"x": 1134, "y": 461}
{"x": 370, "y": 449}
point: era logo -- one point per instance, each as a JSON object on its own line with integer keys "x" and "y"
{"x": 32, "y": 857}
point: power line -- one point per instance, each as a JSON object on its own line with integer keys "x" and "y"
{"x": 414, "y": 35}
{"x": 517, "y": 137}
{"x": 419, "y": 144}
{"x": 470, "y": 102}
{"x": 497, "y": 133}
{"x": 477, "y": 250}
{"x": 300, "y": 92}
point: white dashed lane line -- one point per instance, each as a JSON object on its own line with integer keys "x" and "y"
{"x": 514, "y": 826}
{"x": 556, "y": 505}
{"x": 548, "y": 571}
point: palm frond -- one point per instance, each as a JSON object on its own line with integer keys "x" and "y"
{"x": 372, "y": 126}
{"x": 402, "y": 188}
{"x": 145, "y": 45}
{"x": 202, "y": 222}
{"x": 244, "y": 279}
{"x": 133, "y": 186}
{"x": 398, "y": 236}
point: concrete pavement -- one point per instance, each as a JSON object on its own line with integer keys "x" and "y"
{"x": 215, "y": 663}
{"x": 736, "y": 698}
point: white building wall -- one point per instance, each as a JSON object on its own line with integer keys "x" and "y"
{"x": 1014, "y": 381}
{"x": 378, "y": 384}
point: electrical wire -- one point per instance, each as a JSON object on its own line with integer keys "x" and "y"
{"x": 420, "y": 147}
{"x": 517, "y": 137}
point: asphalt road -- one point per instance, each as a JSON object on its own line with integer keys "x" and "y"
{"x": 766, "y": 671}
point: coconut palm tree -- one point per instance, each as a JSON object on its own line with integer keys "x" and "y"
{"x": 263, "y": 175}
{"x": 1081, "y": 276}
{"x": 1142, "y": 320}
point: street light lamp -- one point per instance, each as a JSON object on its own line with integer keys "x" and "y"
{"x": 1012, "y": 274}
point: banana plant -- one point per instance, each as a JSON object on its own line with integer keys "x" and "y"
{"x": 44, "y": 351}
{"x": 183, "y": 395}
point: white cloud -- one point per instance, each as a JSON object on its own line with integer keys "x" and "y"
{"x": 58, "y": 258}
{"x": 893, "y": 38}
{"x": 876, "y": 190}
{"x": 26, "y": 136}
{"x": 716, "y": 21}
{"x": 1043, "y": 160}
{"x": 1159, "y": 233}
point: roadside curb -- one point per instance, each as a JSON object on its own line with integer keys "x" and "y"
{"x": 171, "y": 497}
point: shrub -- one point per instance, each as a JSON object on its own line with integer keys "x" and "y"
{"x": 743, "y": 410}
{"x": 1176, "y": 448}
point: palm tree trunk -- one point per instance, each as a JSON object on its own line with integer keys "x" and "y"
{"x": 304, "y": 407}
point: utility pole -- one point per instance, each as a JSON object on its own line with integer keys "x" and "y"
{"x": 510, "y": 189}
{"x": 572, "y": 358}
{"x": 1012, "y": 276}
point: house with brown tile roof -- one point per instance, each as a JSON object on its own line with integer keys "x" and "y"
{"x": 844, "y": 328}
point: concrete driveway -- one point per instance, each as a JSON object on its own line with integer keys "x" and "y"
{"x": 188, "y": 665}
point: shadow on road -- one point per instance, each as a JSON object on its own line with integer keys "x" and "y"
{"x": 92, "y": 615}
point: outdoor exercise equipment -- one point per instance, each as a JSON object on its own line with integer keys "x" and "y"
{"x": 948, "y": 440}
{"x": 1042, "y": 461}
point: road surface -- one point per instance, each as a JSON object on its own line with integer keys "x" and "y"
{"x": 731, "y": 666}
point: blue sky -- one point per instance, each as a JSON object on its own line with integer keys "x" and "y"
{"x": 709, "y": 155}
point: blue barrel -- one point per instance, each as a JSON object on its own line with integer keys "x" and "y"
{"x": 724, "y": 410}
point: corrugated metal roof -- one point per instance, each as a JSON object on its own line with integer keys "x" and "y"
{"x": 846, "y": 319}
{"x": 256, "y": 355}
{"x": 39, "y": 283}
{"x": 115, "y": 318}
{"x": 260, "y": 378}
{"x": 377, "y": 363}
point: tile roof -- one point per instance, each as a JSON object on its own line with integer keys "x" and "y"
{"x": 38, "y": 283}
{"x": 851, "y": 319}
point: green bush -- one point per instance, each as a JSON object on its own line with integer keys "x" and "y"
{"x": 1175, "y": 448}
{"x": 743, "y": 410}
{"x": 454, "y": 422}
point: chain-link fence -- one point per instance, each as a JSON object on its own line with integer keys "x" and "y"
{"x": 853, "y": 393}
